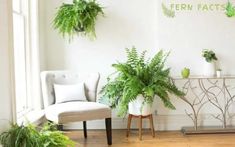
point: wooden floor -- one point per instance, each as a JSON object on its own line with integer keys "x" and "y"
{"x": 162, "y": 139}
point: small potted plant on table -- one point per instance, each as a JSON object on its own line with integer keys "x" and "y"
{"x": 209, "y": 65}
{"x": 218, "y": 72}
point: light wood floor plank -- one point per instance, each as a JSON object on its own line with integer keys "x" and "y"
{"x": 162, "y": 139}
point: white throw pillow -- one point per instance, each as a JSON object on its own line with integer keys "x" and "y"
{"x": 66, "y": 93}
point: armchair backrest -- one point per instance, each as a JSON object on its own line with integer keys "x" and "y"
{"x": 49, "y": 78}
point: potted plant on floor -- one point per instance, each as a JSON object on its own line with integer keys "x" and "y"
{"x": 78, "y": 18}
{"x": 30, "y": 136}
{"x": 137, "y": 82}
{"x": 209, "y": 65}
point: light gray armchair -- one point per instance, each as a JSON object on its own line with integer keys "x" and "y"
{"x": 74, "y": 111}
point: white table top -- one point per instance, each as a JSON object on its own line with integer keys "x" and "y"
{"x": 204, "y": 77}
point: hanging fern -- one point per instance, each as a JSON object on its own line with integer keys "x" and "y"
{"x": 167, "y": 12}
{"x": 77, "y": 18}
{"x": 137, "y": 76}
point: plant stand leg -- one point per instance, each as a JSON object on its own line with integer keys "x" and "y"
{"x": 128, "y": 125}
{"x": 151, "y": 125}
{"x": 140, "y": 127}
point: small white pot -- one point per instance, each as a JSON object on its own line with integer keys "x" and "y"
{"x": 218, "y": 73}
{"x": 136, "y": 107}
{"x": 209, "y": 69}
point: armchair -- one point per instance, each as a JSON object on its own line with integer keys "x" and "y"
{"x": 74, "y": 111}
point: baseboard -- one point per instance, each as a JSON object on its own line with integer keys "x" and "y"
{"x": 161, "y": 122}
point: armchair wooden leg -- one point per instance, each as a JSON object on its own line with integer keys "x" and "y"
{"x": 84, "y": 129}
{"x": 108, "y": 124}
{"x": 60, "y": 127}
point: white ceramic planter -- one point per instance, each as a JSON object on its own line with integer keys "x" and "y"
{"x": 135, "y": 107}
{"x": 218, "y": 74}
{"x": 209, "y": 69}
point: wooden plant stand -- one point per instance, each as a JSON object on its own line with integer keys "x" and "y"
{"x": 150, "y": 117}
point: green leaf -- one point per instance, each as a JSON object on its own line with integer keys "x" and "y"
{"x": 209, "y": 55}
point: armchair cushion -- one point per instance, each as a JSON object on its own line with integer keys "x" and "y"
{"x": 49, "y": 78}
{"x": 77, "y": 111}
{"x": 67, "y": 93}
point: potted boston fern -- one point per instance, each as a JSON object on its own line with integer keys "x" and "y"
{"x": 137, "y": 82}
{"x": 77, "y": 18}
{"x": 30, "y": 136}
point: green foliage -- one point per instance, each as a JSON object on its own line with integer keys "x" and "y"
{"x": 20, "y": 136}
{"x": 49, "y": 126}
{"x": 77, "y": 18}
{"x": 55, "y": 139}
{"x": 30, "y": 136}
{"x": 167, "y": 12}
{"x": 138, "y": 76}
{"x": 209, "y": 55}
{"x": 230, "y": 10}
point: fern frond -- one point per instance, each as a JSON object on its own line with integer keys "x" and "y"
{"x": 132, "y": 57}
{"x": 163, "y": 95}
{"x": 142, "y": 58}
{"x": 156, "y": 60}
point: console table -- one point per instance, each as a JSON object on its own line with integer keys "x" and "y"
{"x": 211, "y": 92}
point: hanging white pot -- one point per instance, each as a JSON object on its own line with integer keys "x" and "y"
{"x": 136, "y": 107}
{"x": 209, "y": 69}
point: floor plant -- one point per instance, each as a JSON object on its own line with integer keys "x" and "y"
{"x": 139, "y": 76}
{"x": 32, "y": 136}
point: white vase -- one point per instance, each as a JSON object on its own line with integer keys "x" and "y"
{"x": 209, "y": 69}
{"x": 136, "y": 107}
{"x": 218, "y": 73}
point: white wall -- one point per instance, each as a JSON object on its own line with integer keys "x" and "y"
{"x": 141, "y": 23}
{"x": 191, "y": 31}
{"x": 5, "y": 82}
